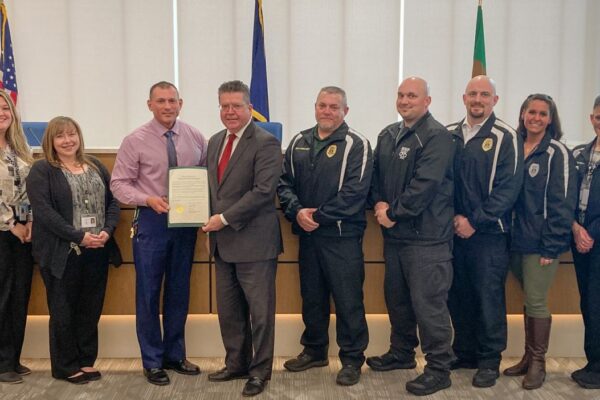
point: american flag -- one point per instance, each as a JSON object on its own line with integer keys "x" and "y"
{"x": 8, "y": 75}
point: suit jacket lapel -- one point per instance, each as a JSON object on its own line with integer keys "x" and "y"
{"x": 239, "y": 151}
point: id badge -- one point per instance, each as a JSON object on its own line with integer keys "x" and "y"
{"x": 22, "y": 211}
{"x": 88, "y": 221}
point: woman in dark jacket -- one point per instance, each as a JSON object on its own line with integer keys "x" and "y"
{"x": 586, "y": 250}
{"x": 76, "y": 216}
{"x": 542, "y": 223}
{"x": 16, "y": 264}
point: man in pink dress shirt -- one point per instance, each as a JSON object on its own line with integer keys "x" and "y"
{"x": 160, "y": 253}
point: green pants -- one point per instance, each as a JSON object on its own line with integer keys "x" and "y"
{"x": 535, "y": 281}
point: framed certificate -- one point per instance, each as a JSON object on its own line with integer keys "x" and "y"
{"x": 188, "y": 197}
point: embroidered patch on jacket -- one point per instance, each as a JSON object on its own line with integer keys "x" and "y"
{"x": 487, "y": 144}
{"x": 331, "y": 150}
{"x": 404, "y": 152}
{"x": 534, "y": 169}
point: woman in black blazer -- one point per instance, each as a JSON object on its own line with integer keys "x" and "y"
{"x": 75, "y": 218}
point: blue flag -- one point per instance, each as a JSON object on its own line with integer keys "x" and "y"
{"x": 259, "y": 94}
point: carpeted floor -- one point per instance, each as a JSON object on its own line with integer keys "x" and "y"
{"x": 123, "y": 379}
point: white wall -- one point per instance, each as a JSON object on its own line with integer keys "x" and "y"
{"x": 95, "y": 60}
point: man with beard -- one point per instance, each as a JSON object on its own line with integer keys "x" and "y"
{"x": 488, "y": 177}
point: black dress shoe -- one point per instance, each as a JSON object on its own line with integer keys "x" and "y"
{"x": 78, "y": 379}
{"x": 587, "y": 379}
{"x": 93, "y": 375}
{"x": 390, "y": 361}
{"x": 426, "y": 384}
{"x": 10, "y": 377}
{"x": 156, "y": 376}
{"x": 578, "y": 373}
{"x": 224, "y": 375}
{"x": 485, "y": 377}
{"x": 22, "y": 370}
{"x": 349, "y": 375}
{"x": 182, "y": 367}
{"x": 254, "y": 386}
{"x": 305, "y": 361}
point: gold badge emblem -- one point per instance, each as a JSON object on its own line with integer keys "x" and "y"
{"x": 331, "y": 150}
{"x": 487, "y": 144}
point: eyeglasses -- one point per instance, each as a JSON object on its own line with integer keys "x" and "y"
{"x": 234, "y": 107}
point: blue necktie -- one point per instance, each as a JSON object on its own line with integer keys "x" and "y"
{"x": 171, "y": 152}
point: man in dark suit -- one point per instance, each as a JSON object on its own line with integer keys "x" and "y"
{"x": 244, "y": 164}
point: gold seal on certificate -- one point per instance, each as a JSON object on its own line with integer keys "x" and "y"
{"x": 188, "y": 197}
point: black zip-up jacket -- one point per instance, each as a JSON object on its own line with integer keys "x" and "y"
{"x": 414, "y": 175}
{"x": 544, "y": 209}
{"x": 335, "y": 181}
{"x": 591, "y": 220}
{"x": 488, "y": 175}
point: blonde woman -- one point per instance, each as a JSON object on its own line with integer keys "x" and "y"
{"x": 72, "y": 242}
{"x": 16, "y": 264}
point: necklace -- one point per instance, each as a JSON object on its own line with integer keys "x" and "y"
{"x": 74, "y": 167}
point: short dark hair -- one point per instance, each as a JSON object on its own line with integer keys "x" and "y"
{"x": 235, "y": 87}
{"x": 162, "y": 85}
{"x": 596, "y": 102}
{"x": 554, "y": 128}
{"x": 335, "y": 90}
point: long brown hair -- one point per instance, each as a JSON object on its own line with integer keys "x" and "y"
{"x": 15, "y": 137}
{"x": 554, "y": 127}
{"x": 58, "y": 125}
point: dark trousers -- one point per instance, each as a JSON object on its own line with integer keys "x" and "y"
{"x": 246, "y": 307}
{"x": 333, "y": 266}
{"x": 75, "y": 303}
{"x": 476, "y": 301}
{"x": 160, "y": 252}
{"x": 587, "y": 268}
{"x": 417, "y": 280}
{"x": 16, "y": 268}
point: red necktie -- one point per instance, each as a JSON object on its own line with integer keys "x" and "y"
{"x": 225, "y": 157}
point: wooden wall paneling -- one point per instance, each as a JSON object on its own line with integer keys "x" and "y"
{"x": 120, "y": 297}
{"x": 373, "y": 240}
{"x": 373, "y": 288}
{"x": 200, "y": 289}
{"x": 37, "y": 301}
{"x": 289, "y": 300}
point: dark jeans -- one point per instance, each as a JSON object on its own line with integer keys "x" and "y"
{"x": 587, "y": 268}
{"x": 333, "y": 266}
{"x": 476, "y": 301}
{"x": 75, "y": 303}
{"x": 162, "y": 253}
{"x": 417, "y": 280}
{"x": 16, "y": 268}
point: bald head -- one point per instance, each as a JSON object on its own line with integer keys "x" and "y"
{"x": 481, "y": 81}
{"x": 480, "y": 98}
{"x": 413, "y": 99}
